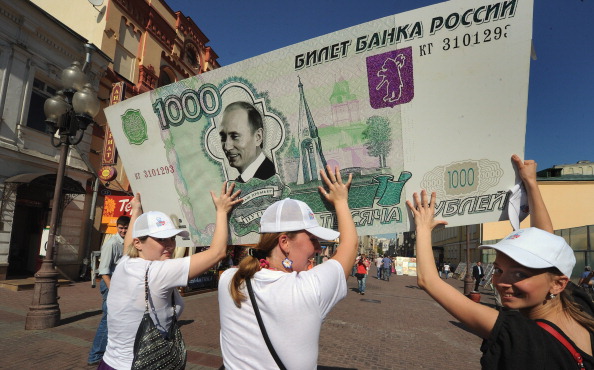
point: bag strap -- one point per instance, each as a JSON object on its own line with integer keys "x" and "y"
{"x": 576, "y": 355}
{"x": 146, "y": 290}
{"x": 146, "y": 294}
{"x": 278, "y": 361}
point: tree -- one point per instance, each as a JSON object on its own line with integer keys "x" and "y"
{"x": 378, "y": 138}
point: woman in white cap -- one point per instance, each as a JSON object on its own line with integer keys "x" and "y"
{"x": 540, "y": 326}
{"x": 149, "y": 247}
{"x": 292, "y": 300}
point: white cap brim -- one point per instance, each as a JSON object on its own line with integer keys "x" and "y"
{"x": 323, "y": 233}
{"x": 521, "y": 256}
{"x": 169, "y": 233}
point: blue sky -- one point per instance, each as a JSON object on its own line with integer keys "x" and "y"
{"x": 560, "y": 112}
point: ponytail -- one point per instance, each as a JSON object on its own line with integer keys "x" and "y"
{"x": 247, "y": 269}
{"x": 575, "y": 312}
{"x": 569, "y": 304}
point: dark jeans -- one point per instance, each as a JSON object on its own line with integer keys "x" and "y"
{"x": 362, "y": 284}
{"x": 386, "y": 273}
{"x": 100, "y": 341}
{"x": 476, "y": 284}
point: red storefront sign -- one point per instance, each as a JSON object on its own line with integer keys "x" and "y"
{"x": 114, "y": 207}
{"x": 109, "y": 150}
{"x": 118, "y": 91}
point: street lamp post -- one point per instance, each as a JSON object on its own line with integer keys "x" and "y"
{"x": 468, "y": 281}
{"x": 68, "y": 114}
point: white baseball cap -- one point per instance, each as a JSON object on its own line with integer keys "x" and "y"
{"x": 293, "y": 215}
{"x": 536, "y": 248}
{"x": 156, "y": 224}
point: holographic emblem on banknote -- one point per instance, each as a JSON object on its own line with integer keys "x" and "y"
{"x": 390, "y": 78}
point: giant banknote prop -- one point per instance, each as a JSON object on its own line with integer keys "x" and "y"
{"x": 428, "y": 99}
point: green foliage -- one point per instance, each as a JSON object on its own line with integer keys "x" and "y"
{"x": 377, "y": 138}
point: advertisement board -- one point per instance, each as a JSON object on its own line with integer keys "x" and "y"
{"x": 114, "y": 207}
{"x": 433, "y": 99}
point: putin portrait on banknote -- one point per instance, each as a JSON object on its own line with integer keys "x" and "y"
{"x": 242, "y": 133}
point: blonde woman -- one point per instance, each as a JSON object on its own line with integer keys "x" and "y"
{"x": 149, "y": 247}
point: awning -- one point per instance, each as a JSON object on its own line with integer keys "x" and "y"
{"x": 47, "y": 182}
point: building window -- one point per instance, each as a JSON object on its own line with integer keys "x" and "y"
{"x": 579, "y": 237}
{"x": 191, "y": 56}
{"x": 164, "y": 78}
{"x": 36, "y": 116}
{"x": 124, "y": 61}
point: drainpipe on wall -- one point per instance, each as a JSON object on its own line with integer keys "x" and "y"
{"x": 89, "y": 228}
{"x": 91, "y": 218}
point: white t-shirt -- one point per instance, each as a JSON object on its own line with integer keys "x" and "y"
{"x": 125, "y": 302}
{"x": 378, "y": 262}
{"x": 292, "y": 306}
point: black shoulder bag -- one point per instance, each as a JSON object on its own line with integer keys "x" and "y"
{"x": 151, "y": 349}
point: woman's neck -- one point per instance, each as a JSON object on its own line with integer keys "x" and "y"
{"x": 550, "y": 310}
{"x": 275, "y": 260}
{"x": 276, "y": 264}
{"x": 565, "y": 322}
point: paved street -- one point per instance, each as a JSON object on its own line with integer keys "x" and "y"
{"x": 395, "y": 325}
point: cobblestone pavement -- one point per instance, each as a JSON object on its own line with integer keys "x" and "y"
{"x": 395, "y": 325}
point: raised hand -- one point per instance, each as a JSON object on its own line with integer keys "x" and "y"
{"x": 526, "y": 169}
{"x": 228, "y": 199}
{"x": 136, "y": 205}
{"x": 424, "y": 210}
{"x": 337, "y": 190}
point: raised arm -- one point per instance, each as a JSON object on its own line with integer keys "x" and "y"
{"x": 200, "y": 262}
{"x": 136, "y": 211}
{"x": 338, "y": 195}
{"x": 539, "y": 216}
{"x": 478, "y": 318}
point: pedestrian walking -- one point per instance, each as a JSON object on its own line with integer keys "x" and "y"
{"x": 378, "y": 265}
{"x": 478, "y": 272}
{"x": 111, "y": 252}
{"x": 446, "y": 270}
{"x": 286, "y": 303}
{"x": 386, "y": 267}
{"x": 362, "y": 271}
{"x": 585, "y": 280}
{"x": 542, "y": 327}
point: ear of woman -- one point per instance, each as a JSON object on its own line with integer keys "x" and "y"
{"x": 559, "y": 284}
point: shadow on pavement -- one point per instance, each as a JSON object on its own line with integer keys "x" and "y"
{"x": 184, "y": 322}
{"x": 80, "y": 316}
